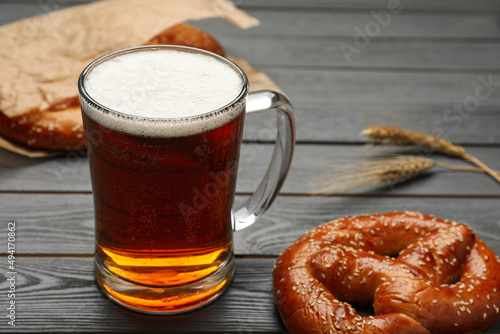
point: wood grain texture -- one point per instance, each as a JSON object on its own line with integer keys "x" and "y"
{"x": 319, "y": 22}
{"x": 328, "y": 53}
{"x": 381, "y": 88}
{"x": 64, "y": 224}
{"x": 444, "y": 5}
{"x": 414, "y": 72}
{"x": 335, "y": 104}
{"x": 78, "y": 306}
{"x": 59, "y": 295}
{"x": 291, "y": 217}
{"x": 311, "y": 161}
{"x": 328, "y": 23}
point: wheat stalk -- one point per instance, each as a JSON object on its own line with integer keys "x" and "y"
{"x": 389, "y": 170}
{"x": 387, "y": 135}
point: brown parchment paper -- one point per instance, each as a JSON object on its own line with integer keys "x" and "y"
{"x": 41, "y": 57}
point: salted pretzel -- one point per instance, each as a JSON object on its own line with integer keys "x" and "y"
{"x": 60, "y": 126}
{"x": 422, "y": 274}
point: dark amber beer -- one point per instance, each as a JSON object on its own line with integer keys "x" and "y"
{"x": 163, "y": 128}
{"x": 163, "y": 205}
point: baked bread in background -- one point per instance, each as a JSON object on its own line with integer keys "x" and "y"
{"x": 60, "y": 127}
{"x": 187, "y": 35}
{"x": 42, "y": 57}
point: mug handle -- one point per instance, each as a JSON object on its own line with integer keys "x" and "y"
{"x": 250, "y": 210}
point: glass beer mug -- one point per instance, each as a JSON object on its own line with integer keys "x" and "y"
{"x": 163, "y": 126}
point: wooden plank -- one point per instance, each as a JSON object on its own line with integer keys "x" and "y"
{"x": 70, "y": 173}
{"x": 388, "y": 88}
{"x": 311, "y": 164}
{"x": 49, "y": 224}
{"x": 64, "y": 224}
{"x": 323, "y": 23}
{"x": 408, "y": 5}
{"x": 268, "y": 52}
{"x": 291, "y": 217}
{"x": 447, "y": 5}
{"x": 325, "y": 102}
{"x": 59, "y": 294}
{"x": 341, "y": 121}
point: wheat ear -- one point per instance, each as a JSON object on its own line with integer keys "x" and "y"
{"x": 387, "y": 135}
{"x": 389, "y": 170}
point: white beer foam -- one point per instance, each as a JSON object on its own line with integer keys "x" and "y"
{"x": 163, "y": 93}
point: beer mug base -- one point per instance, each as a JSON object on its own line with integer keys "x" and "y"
{"x": 164, "y": 300}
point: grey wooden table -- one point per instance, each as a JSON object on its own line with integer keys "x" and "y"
{"x": 345, "y": 65}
